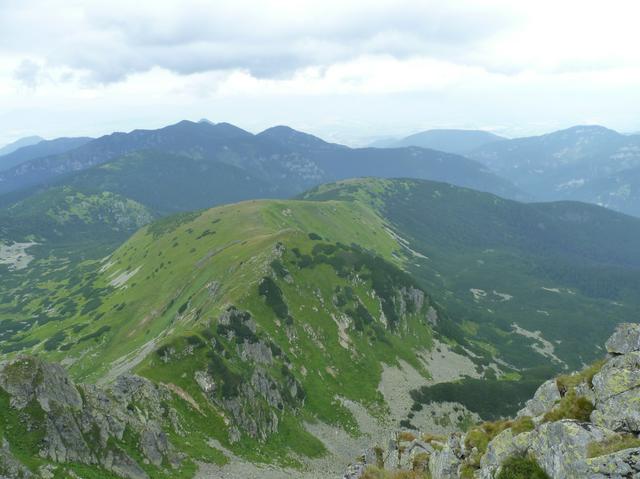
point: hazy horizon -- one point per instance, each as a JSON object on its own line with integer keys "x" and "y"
{"x": 348, "y": 72}
{"x": 354, "y": 143}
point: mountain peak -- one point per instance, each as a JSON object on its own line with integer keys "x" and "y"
{"x": 22, "y": 142}
{"x": 219, "y": 129}
{"x": 449, "y": 140}
{"x": 585, "y": 130}
{"x": 287, "y": 136}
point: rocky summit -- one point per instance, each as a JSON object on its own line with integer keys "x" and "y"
{"x": 582, "y": 425}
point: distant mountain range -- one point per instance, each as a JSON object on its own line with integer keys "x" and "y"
{"x": 129, "y": 178}
{"x": 586, "y": 163}
{"x": 40, "y": 149}
{"x": 583, "y": 163}
{"x": 459, "y": 142}
{"x": 290, "y": 161}
{"x": 21, "y": 143}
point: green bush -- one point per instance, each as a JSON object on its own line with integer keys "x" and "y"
{"x": 521, "y": 468}
{"x": 571, "y": 406}
{"x": 274, "y": 297}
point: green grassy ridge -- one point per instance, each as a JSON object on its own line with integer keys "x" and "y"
{"x": 173, "y": 279}
{"x": 565, "y": 266}
{"x": 185, "y": 271}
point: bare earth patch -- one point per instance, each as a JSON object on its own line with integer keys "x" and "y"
{"x": 15, "y": 255}
{"x": 541, "y": 346}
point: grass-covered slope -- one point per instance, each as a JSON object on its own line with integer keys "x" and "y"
{"x": 264, "y": 315}
{"x": 261, "y": 315}
{"x": 556, "y": 268}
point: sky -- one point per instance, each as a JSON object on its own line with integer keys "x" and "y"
{"x": 349, "y": 71}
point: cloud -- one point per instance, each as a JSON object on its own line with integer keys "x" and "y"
{"x": 28, "y": 73}
{"x": 92, "y": 66}
{"x": 111, "y": 40}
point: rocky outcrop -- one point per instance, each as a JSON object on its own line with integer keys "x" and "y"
{"x": 84, "y": 423}
{"x": 10, "y": 467}
{"x": 584, "y": 425}
{"x": 543, "y": 400}
{"x": 626, "y": 339}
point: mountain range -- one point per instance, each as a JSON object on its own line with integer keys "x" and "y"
{"x": 459, "y": 142}
{"x": 231, "y": 299}
{"x": 585, "y": 163}
{"x": 291, "y": 161}
{"x": 20, "y": 143}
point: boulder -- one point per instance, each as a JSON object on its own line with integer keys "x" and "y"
{"x": 619, "y": 465}
{"x": 625, "y": 339}
{"x": 502, "y": 447}
{"x": 543, "y": 400}
{"x": 620, "y": 412}
{"x": 561, "y": 447}
{"x": 616, "y": 389}
{"x": 446, "y": 463}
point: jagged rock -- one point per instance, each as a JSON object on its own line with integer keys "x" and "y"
{"x": 625, "y": 339}
{"x": 267, "y": 388}
{"x": 446, "y": 463}
{"x": 503, "y": 446}
{"x": 619, "y": 465}
{"x": 233, "y": 314}
{"x": 409, "y": 299}
{"x": 617, "y": 395}
{"x": 619, "y": 413}
{"x": 432, "y": 316}
{"x": 10, "y": 467}
{"x": 26, "y": 378}
{"x": 543, "y": 400}
{"x": 561, "y": 447}
{"x": 121, "y": 464}
{"x": 354, "y": 471}
{"x": 258, "y": 352}
{"x": 80, "y": 422}
{"x": 205, "y": 381}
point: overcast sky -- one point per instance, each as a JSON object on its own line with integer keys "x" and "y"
{"x": 347, "y": 70}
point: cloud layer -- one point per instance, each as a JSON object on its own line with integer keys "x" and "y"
{"x": 147, "y": 54}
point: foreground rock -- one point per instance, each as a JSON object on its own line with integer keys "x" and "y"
{"x": 584, "y": 425}
{"x": 117, "y": 428}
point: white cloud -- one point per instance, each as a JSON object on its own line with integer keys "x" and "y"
{"x": 71, "y": 65}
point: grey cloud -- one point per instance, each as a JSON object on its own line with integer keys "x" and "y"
{"x": 28, "y": 73}
{"x": 117, "y": 39}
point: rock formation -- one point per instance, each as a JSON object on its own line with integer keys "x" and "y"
{"x": 583, "y": 425}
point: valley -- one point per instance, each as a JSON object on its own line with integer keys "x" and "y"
{"x": 291, "y": 334}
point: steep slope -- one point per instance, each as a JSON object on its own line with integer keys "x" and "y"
{"x": 259, "y": 323}
{"x": 577, "y": 425}
{"x": 557, "y": 165}
{"x": 459, "y": 142}
{"x": 620, "y": 191}
{"x": 22, "y": 142}
{"x": 274, "y": 327}
{"x": 522, "y": 278}
{"x": 41, "y": 149}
